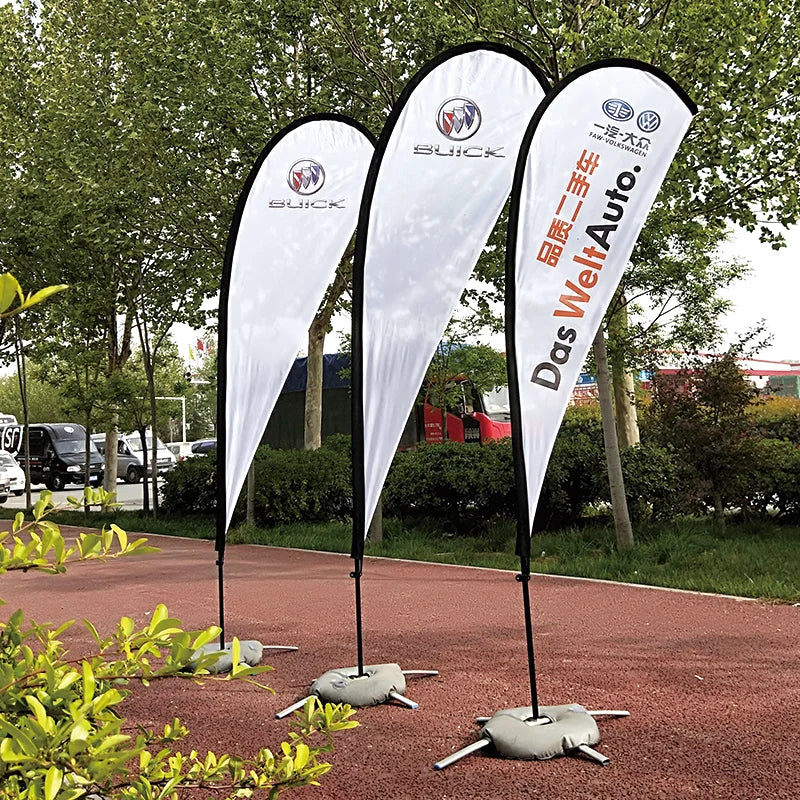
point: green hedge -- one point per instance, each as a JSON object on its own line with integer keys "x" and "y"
{"x": 291, "y": 486}
{"x": 462, "y": 487}
{"x": 778, "y": 418}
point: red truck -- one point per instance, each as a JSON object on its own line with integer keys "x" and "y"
{"x": 477, "y": 416}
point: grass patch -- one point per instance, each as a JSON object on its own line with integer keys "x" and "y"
{"x": 753, "y": 559}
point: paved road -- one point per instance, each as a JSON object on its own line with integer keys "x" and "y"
{"x": 712, "y": 683}
{"x": 129, "y": 494}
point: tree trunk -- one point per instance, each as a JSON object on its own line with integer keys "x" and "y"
{"x": 312, "y": 433}
{"x": 153, "y": 428}
{"x": 719, "y": 513}
{"x": 619, "y": 504}
{"x": 625, "y": 406}
{"x": 622, "y": 378}
{"x": 87, "y": 443}
{"x": 145, "y": 473}
{"x": 111, "y": 459}
{"x": 22, "y": 378}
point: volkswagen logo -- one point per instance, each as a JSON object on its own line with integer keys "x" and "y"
{"x": 648, "y": 121}
{"x": 458, "y": 118}
{"x": 618, "y": 110}
{"x": 306, "y": 176}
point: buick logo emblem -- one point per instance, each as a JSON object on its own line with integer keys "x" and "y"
{"x": 306, "y": 176}
{"x": 618, "y": 110}
{"x": 458, "y": 118}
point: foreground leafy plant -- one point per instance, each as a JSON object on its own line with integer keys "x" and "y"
{"x": 61, "y": 732}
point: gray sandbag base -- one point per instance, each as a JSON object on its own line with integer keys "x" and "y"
{"x": 514, "y": 737}
{"x": 371, "y": 689}
{"x": 250, "y": 652}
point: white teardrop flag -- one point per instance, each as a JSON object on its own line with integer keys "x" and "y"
{"x": 440, "y": 177}
{"x": 295, "y": 217}
{"x": 593, "y": 160}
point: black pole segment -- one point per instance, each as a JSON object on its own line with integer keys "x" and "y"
{"x": 356, "y": 575}
{"x": 221, "y": 586}
{"x": 525, "y": 578}
{"x": 520, "y": 476}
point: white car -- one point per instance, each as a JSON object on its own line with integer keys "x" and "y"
{"x": 14, "y": 471}
{"x": 181, "y": 450}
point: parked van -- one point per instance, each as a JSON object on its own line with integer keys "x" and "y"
{"x": 58, "y": 453}
{"x": 164, "y": 457}
{"x": 129, "y": 466}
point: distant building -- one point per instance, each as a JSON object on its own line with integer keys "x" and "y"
{"x": 785, "y": 385}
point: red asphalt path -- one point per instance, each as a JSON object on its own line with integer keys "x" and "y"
{"x": 712, "y": 683}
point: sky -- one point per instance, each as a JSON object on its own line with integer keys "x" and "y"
{"x": 771, "y": 292}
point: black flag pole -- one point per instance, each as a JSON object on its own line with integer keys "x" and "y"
{"x": 357, "y": 428}
{"x": 222, "y": 434}
{"x": 523, "y": 546}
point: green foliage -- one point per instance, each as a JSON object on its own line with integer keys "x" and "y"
{"x": 191, "y": 487}
{"x": 45, "y": 402}
{"x": 457, "y": 366}
{"x": 291, "y": 485}
{"x": 652, "y": 485}
{"x": 576, "y": 473}
{"x": 461, "y": 485}
{"x": 62, "y": 736}
{"x": 700, "y": 415}
{"x": 777, "y": 418}
{"x": 772, "y": 485}
{"x": 301, "y": 486}
{"x": 14, "y": 301}
{"x": 41, "y": 546}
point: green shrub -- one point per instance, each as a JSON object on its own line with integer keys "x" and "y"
{"x": 576, "y": 474}
{"x": 463, "y": 485}
{"x": 291, "y": 485}
{"x": 773, "y": 484}
{"x": 61, "y": 734}
{"x": 778, "y": 418}
{"x": 301, "y": 486}
{"x": 653, "y": 486}
{"x": 191, "y": 487}
{"x": 466, "y": 486}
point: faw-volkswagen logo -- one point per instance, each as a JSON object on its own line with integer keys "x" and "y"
{"x": 617, "y": 109}
{"x": 458, "y": 118}
{"x": 306, "y": 176}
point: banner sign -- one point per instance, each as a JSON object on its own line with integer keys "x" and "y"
{"x": 294, "y": 219}
{"x": 440, "y": 177}
{"x": 590, "y": 167}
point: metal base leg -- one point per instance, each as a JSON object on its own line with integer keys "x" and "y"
{"x": 462, "y": 753}
{"x": 292, "y": 708}
{"x": 609, "y": 713}
{"x": 593, "y": 754}
{"x": 404, "y": 700}
{"x": 280, "y": 647}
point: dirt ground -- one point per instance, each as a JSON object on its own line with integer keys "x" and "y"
{"x": 712, "y": 683}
